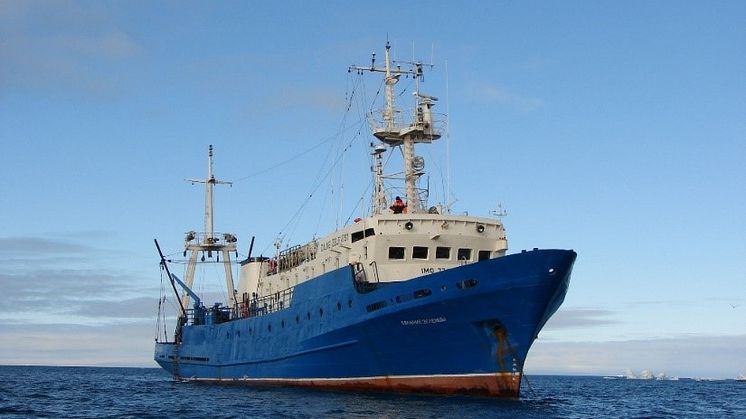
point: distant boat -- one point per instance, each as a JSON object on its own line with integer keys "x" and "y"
{"x": 647, "y": 375}
{"x": 741, "y": 378}
{"x": 663, "y": 377}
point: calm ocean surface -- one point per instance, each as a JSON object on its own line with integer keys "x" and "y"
{"x": 133, "y": 392}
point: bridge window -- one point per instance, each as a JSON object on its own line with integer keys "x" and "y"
{"x": 359, "y": 235}
{"x": 419, "y": 252}
{"x": 396, "y": 252}
{"x": 464, "y": 254}
{"x": 442, "y": 253}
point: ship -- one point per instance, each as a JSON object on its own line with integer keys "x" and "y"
{"x": 410, "y": 298}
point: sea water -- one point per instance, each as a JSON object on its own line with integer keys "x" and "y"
{"x": 143, "y": 392}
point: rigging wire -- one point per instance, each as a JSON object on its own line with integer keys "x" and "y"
{"x": 365, "y": 192}
{"x": 319, "y": 181}
{"x": 357, "y": 87}
{"x": 302, "y": 153}
{"x": 283, "y": 232}
{"x": 368, "y": 112}
{"x": 359, "y": 201}
{"x": 448, "y": 146}
{"x": 288, "y": 160}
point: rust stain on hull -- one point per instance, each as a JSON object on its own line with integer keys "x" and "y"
{"x": 501, "y": 336}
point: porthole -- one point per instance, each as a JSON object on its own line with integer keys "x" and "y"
{"x": 297, "y": 319}
{"x": 339, "y": 306}
{"x": 308, "y": 315}
{"x": 269, "y": 327}
{"x": 321, "y": 312}
{"x": 282, "y": 323}
{"x": 349, "y": 303}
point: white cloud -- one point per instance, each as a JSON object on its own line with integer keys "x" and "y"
{"x": 500, "y": 95}
{"x": 61, "y": 46}
{"x": 36, "y": 246}
{"x": 122, "y": 344}
{"x": 579, "y": 317}
{"x": 295, "y": 97}
{"x": 111, "y": 44}
{"x": 46, "y": 279}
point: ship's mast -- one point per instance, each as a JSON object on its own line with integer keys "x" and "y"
{"x": 208, "y": 241}
{"x": 209, "y": 184}
{"x": 395, "y": 133}
{"x": 379, "y": 195}
{"x": 389, "y": 81}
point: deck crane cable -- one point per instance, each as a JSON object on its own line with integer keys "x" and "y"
{"x": 206, "y": 286}
{"x": 161, "y": 316}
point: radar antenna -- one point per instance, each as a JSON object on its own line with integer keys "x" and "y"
{"x": 396, "y": 133}
{"x": 499, "y": 212}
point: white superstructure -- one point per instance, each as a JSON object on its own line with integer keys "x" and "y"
{"x": 386, "y": 246}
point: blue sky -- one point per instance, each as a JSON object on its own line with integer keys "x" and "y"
{"x": 616, "y": 129}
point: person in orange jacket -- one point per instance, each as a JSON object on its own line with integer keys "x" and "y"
{"x": 399, "y": 206}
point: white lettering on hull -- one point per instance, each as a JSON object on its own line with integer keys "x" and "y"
{"x": 423, "y": 321}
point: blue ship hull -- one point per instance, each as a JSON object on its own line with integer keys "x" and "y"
{"x": 463, "y": 330}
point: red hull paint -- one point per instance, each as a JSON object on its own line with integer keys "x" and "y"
{"x": 494, "y": 385}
